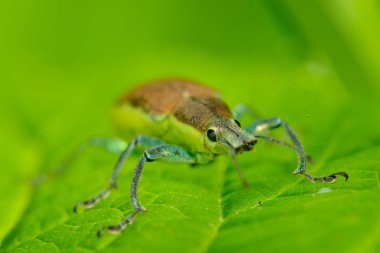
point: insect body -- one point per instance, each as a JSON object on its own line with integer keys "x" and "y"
{"x": 184, "y": 114}
{"x": 180, "y": 121}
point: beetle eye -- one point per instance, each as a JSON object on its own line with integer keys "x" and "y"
{"x": 237, "y": 123}
{"x": 211, "y": 135}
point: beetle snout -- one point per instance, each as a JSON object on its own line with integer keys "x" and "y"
{"x": 249, "y": 145}
{"x": 246, "y": 146}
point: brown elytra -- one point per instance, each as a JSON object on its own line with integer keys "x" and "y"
{"x": 188, "y": 101}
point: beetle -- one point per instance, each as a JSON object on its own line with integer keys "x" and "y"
{"x": 180, "y": 121}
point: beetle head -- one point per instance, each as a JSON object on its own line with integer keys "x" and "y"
{"x": 224, "y": 135}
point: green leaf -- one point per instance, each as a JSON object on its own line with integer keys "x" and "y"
{"x": 315, "y": 64}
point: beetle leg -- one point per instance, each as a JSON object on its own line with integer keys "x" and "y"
{"x": 260, "y": 126}
{"x": 141, "y": 140}
{"x": 164, "y": 153}
{"x": 112, "y": 145}
{"x": 285, "y": 144}
{"x": 241, "y": 109}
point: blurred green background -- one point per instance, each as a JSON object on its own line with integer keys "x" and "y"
{"x": 314, "y": 63}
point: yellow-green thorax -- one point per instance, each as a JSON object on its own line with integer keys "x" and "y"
{"x": 132, "y": 121}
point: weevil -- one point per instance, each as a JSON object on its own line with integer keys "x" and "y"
{"x": 180, "y": 121}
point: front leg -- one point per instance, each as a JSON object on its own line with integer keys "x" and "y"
{"x": 260, "y": 126}
{"x": 164, "y": 153}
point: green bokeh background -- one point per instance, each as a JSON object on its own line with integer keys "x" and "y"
{"x": 63, "y": 64}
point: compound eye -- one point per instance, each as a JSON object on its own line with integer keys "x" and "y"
{"x": 211, "y": 134}
{"x": 237, "y": 123}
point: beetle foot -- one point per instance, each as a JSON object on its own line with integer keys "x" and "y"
{"x": 116, "y": 229}
{"x": 93, "y": 201}
{"x": 332, "y": 178}
{"x": 326, "y": 179}
{"x": 113, "y": 229}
